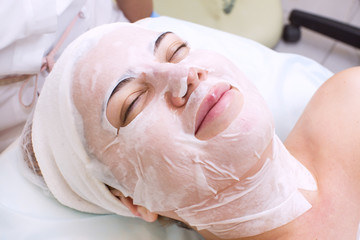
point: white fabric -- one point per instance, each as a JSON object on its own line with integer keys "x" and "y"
{"x": 69, "y": 181}
{"x": 13, "y": 114}
{"x": 56, "y": 144}
{"x": 32, "y": 29}
{"x": 262, "y": 202}
{"x": 27, "y": 212}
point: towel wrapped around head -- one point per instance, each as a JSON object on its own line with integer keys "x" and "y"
{"x": 58, "y": 143}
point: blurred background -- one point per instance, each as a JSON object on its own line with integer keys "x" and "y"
{"x": 334, "y": 55}
{"x": 263, "y": 21}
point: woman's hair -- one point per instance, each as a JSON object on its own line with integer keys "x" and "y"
{"x": 165, "y": 221}
{"x": 27, "y": 149}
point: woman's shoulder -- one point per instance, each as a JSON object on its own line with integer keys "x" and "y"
{"x": 333, "y": 110}
{"x": 345, "y": 84}
{"x": 333, "y": 114}
{"x": 327, "y": 135}
{"x": 326, "y": 139}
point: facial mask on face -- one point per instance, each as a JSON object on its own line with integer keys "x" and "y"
{"x": 238, "y": 183}
{"x": 243, "y": 178}
{"x": 259, "y": 203}
{"x": 162, "y": 141}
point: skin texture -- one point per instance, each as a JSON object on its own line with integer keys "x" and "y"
{"x": 135, "y": 9}
{"x": 325, "y": 139}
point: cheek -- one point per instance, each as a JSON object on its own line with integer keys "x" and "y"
{"x": 153, "y": 128}
{"x": 153, "y": 148}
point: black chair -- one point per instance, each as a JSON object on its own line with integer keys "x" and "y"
{"x": 338, "y": 30}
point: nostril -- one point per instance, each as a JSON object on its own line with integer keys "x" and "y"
{"x": 189, "y": 88}
{"x": 196, "y": 75}
{"x": 202, "y": 75}
{"x": 176, "y": 102}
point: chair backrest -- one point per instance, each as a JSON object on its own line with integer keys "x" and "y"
{"x": 259, "y": 20}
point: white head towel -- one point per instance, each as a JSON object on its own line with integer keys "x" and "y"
{"x": 57, "y": 141}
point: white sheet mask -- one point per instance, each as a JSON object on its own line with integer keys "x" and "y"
{"x": 158, "y": 161}
{"x": 160, "y": 140}
{"x": 239, "y": 183}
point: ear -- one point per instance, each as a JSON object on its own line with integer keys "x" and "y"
{"x": 137, "y": 210}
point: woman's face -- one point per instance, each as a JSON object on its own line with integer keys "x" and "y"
{"x": 167, "y": 75}
{"x": 175, "y": 126}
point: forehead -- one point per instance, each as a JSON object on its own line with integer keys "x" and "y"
{"x": 113, "y": 55}
{"x": 117, "y": 52}
{"x": 129, "y": 35}
{"x": 123, "y": 44}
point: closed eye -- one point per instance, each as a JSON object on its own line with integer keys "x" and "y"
{"x": 128, "y": 99}
{"x": 179, "y": 53}
{"x": 128, "y": 110}
{"x": 170, "y": 48}
{"x": 134, "y": 104}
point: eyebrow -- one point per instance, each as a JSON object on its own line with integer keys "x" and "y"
{"x": 159, "y": 39}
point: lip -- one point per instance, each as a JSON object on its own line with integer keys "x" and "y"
{"x": 209, "y": 102}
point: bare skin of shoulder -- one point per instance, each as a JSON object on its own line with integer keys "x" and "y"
{"x": 326, "y": 140}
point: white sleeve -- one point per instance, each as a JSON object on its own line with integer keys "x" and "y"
{"x": 23, "y": 18}
{"x": 32, "y": 27}
{"x": 24, "y": 24}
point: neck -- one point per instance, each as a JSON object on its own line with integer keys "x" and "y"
{"x": 272, "y": 201}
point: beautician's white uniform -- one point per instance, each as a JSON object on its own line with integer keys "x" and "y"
{"x": 30, "y": 30}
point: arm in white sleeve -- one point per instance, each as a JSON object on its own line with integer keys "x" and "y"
{"x": 23, "y": 18}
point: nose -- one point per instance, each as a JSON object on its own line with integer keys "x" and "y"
{"x": 195, "y": 76}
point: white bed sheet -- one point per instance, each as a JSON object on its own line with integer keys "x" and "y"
{"x": 286, "y": 81}
{"x": 29, "y": 213}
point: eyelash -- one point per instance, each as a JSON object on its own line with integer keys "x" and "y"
{"x": 183, "y": 45}
{"x": 135, "y": 102}
{"x": 131, "y": 106}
